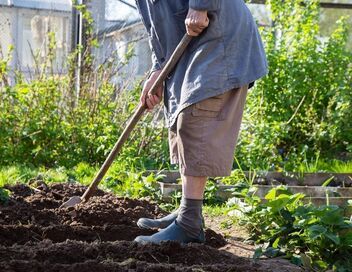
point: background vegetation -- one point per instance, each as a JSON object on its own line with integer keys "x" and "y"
{"x": 301, "y": 110}
{"x": 296, "y": 114}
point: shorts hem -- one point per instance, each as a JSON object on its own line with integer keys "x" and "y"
{"x": 205, "y": 173}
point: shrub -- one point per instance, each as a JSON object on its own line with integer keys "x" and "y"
{"x": 44, "y": 123}
{"x": 302, "y": 108}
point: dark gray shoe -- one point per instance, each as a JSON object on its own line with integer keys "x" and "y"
{"x": 172, "y": 233}
{"x": 161, "y": 223}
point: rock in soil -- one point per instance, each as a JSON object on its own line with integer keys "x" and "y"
{"x": 35, "y": 235}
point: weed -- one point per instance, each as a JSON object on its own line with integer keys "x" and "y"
{"x": 4, "y": 195}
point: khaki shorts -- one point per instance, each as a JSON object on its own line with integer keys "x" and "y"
{"x": 203, "y": 139}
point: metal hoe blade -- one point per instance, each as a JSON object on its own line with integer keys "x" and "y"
{"x": 73, "y": 201}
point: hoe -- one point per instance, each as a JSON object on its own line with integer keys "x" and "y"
{"x": 171, "y": 63}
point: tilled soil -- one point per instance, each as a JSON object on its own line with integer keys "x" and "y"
{"x": 36, "y": 235}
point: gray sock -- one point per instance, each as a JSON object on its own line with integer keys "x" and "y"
{"x": 168, "y": 217}
{"x": 190, "y": 216}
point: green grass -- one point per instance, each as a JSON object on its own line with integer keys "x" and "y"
{"x": 215, "y": 211}
{"x": 9, "y": 175}
{"x": 340, "y": 167}
{"x": 13, "y": 174}
{"x": 82, "y": 173}
{"x": 318, "y": 165}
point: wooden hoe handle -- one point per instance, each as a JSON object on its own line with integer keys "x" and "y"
{"x": 171, "y": 63}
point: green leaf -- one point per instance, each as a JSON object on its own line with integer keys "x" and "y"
{"x": 316, "y": 231}
{"x": 278, "y": 204}
{"x": 271, "y": 194}
{"x": 276, "y": 242}
{"x": 346, "y": 238}
{"x": 327, "y": 182}
{"x": 301, "y": 211}
{"x": 306, "y": 261}
{"x": 333, "y": 217}
{"x": 297, "y": 260}
{"x": 333, "y": 237}
{"x": 271, "y": 252}
{"x": 4, "y": 195}
{"x": 321, "y": 264}
{"x": 258, "y": 253}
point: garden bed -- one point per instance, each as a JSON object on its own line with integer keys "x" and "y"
{"x": 35, "y": 235}
{"x": 338, "y": 191}
{"x": 275, "y": 178}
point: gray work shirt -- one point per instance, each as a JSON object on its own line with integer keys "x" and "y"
{"x": 227, "y": 55}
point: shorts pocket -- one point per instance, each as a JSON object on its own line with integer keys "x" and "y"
{"x": 210, "y": 107}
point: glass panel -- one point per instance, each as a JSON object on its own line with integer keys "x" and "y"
{"x": 32, "y": 40}
{"x": 116, "y": 10}
{"x": 59, "y": 25}
{"x": 35, "y": 41}
{"x": 5, "y": 30}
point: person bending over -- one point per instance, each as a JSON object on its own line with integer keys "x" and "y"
{"x": 204, "y": 96}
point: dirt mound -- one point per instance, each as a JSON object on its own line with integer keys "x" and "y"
{"x": 41, "y": 208}
{"x": 36, "y": 235}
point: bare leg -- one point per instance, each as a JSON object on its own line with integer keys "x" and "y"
{"x": 193, "y": 187}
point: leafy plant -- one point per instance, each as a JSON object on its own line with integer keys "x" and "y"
{"x": 12, "y": 174}
{"x": 176, "y": 198}
{"x": 237, "y": 175}
{"x": 132, "y": 184}
{"x": 43, "y": 126}
{"x": 211, "y": 196}
{"x": 317, "y": 237}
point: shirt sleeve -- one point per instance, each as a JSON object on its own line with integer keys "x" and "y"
{"x": 155, "y": 63}
{"x": 208, "y": 5}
